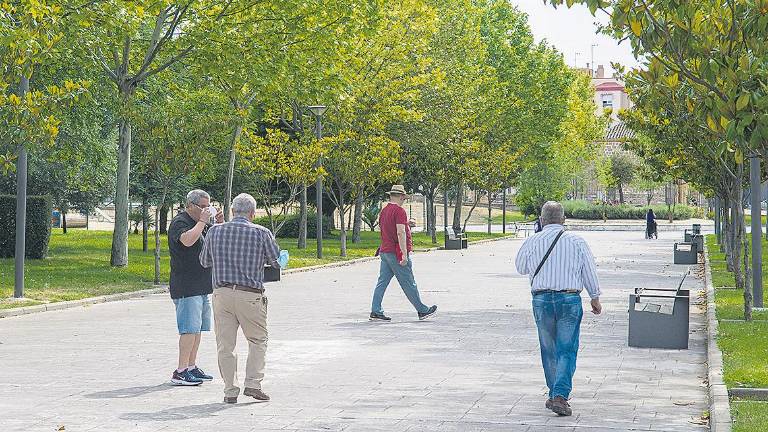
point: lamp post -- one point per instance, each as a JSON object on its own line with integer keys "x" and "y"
{"x": 318, "y": 111}
{"x": 21, "y": 209}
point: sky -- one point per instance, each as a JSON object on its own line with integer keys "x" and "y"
{"x": 572, "y": 31}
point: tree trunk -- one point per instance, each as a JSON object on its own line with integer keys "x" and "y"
{"x": 343, "y": 234}
{"x": 119, "y": 254}
{"x": 145, "y": 225}
{"x": 741, "y": 250}
{"x": 433, "y": 206}
{"x": 621, "y": 193}
{"x": 458, "y": 206}
{"x": 63, "y": 221}
{"x": 489, "y": 212}
{"x": 302, "y": 243}
{"x": 163, "y": 222}
{"x": 358, "y": 221}
{"x": 157, "y": 248}
{"x": 231, "y": 169}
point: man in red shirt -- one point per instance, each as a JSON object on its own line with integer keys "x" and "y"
{"x": 396, "y": 244}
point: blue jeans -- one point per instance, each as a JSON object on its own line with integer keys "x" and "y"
{"x": 558, "y": 318}
{"x": 404, "y": 274}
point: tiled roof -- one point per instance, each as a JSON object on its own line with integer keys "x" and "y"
{"x": 609, "y": 86}
{"x": 618, "y": 131}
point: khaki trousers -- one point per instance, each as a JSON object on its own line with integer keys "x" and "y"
{"x": 233, "y": 309}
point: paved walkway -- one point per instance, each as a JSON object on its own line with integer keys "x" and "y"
{"x": 475, "y": 367}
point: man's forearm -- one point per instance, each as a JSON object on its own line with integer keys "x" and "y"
{"x": 190, "y": 237}
{"x": 401, "y": 240}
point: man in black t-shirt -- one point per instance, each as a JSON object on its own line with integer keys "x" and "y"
{"x": 190, "y": 283}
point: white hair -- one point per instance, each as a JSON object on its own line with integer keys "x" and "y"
{"x": 552, "y": 213}
{"x": 194, "y": 196}
{"x": 244, "y": 205}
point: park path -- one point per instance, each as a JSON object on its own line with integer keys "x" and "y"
{"x": 474, "y": 367}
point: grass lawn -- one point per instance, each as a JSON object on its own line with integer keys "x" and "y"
{"x": 78, "y": 264}
{"x": 744, "y": 344}
{"x": 512, "y": 216}
{"x": 748, "y": 218}
{"x": 751, "y": 416}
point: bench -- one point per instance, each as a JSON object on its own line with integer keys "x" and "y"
{"x": 455, "y": 241}
{"x": 663, "y": 322}
{"x": 686, "y": 253}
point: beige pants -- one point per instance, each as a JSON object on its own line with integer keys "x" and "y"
{"x": 233, "y": 309}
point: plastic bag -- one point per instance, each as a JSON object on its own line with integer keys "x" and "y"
{"x": 283, "y": 259}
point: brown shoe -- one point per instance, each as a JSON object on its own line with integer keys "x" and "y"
{"x": 548, "y": 404}
{"x": 256, "y": 394}
{"x": 561, "y": 407}
{"x": 230, "y": 399}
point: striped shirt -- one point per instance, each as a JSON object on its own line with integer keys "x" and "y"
{"x": 569, "y": 266}
{"x": 237, "y": 252}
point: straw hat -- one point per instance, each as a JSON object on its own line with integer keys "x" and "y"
{"x": 397, "y": 189}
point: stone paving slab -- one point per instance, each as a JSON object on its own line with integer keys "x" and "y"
{"x": 474, "y": 367}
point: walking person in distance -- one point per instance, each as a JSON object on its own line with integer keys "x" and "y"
{"x": 395, "y": 249}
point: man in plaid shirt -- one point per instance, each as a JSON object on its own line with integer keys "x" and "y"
{"x": 237, "y": 252}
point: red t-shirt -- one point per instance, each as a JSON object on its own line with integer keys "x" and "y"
{"x": 390, "y": 216}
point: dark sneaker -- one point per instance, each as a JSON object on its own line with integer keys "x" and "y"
{"x": 230, "y": 399}
{"x": 548, "y": 404}
{"x": 198, "y": 373}
{"x": 256, "y": 394}
{"x": 185, "y": 379}
{"x": 428, "y": 313}
{"x": 379, "y": 317}
{"x": 561, "y": 407}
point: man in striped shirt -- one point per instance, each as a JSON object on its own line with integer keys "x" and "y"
{"x": 557, "y": 280}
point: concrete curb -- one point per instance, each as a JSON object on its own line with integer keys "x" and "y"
{"x": 26, "y": 310}
{"x": 760, "y": 394}
{"x": 719, "y": 403}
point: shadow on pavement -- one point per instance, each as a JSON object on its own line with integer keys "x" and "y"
{"x": 129, "y": 392}
{"x": 183, "y": 412}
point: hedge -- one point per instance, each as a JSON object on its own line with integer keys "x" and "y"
{"x": 579, "y": 209}
{"x": 291, "y": 227}
{"x": 38, "y": 226}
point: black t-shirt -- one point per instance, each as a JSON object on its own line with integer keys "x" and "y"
{"x": 188, "y": 277}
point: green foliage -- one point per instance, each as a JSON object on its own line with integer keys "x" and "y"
{"x": 538, "y": 184}
{"x": 290, "y": 224}
{"x": 371, "y": 214}
{"x": 38, "y": 228}
{"x": 579, "y": 209}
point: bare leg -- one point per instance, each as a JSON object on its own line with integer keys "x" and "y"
{"x": 186, "y": 343}
{"x": 193, "y": 353}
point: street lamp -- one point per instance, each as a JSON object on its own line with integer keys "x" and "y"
{"x": 318, "y": 111}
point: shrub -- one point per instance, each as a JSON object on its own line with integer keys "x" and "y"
{"x": 291, "y": 227}
{"x": 578, "y": 209}
{"x": 38, "y": 230}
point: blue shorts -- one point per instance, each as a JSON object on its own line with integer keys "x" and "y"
{"x": 193, "y": 314}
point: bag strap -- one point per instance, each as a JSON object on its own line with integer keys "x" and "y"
{"x": 549, "y": 251}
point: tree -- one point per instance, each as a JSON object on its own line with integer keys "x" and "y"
{"x": 281, "y": 168}
{"x": 131, "y": 42}
{"x": 172, "y": 142}
{"x": 622, "y": 172}
{"x": 350, "y": 161}
{"x": 713, "y": 50}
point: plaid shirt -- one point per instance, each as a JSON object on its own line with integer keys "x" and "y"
{"x": 238, "y": 251}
